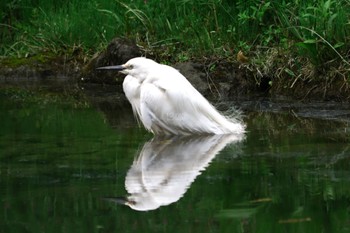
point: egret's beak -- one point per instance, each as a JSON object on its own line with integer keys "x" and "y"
{"x": 118, "y": 68}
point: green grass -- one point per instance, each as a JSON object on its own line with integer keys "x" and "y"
{"x": 317, "y": 30}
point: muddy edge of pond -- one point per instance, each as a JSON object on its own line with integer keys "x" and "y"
{"x": 223, "y": 78}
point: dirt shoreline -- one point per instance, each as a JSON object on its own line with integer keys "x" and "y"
{"x": 219, "y": 78}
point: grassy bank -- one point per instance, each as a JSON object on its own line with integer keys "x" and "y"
{"x": 283, "y": 39}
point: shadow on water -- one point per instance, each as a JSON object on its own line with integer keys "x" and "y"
{"x": 59, "y": 160}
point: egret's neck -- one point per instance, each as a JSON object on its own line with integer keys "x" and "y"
{"x": 140, "y": 76}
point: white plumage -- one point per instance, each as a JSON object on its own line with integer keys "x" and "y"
{"x": 166, "y": 102}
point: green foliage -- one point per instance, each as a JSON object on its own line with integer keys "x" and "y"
{"x": 320, "y": 30}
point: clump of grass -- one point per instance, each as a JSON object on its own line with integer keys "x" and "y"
{"x": 321, "y": 29}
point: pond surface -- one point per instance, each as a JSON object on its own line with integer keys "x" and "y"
{"x": 74, "y": 168}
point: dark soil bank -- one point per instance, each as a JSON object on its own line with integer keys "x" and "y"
{"x": 214, "y": 77}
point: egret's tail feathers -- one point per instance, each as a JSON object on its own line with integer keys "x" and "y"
{"x": 224, "y": 123}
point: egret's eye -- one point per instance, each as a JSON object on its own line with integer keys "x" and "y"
{"x": 130, "y": 67}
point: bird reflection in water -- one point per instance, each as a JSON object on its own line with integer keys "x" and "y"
{"x": 167, "y": 166}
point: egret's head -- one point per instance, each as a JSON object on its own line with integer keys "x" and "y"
{"x": 138, "y": 67}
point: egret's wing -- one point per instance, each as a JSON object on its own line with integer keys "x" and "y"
{"x": 155, "y": 110}
{"x": 194, "y": 113}
{"x": 171, "y": 104}
{"x": 131, "y": 87}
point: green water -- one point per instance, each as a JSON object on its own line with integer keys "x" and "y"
{"x": 63, "y": 165}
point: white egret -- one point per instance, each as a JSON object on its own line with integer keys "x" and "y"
{"x": 166, "y": 102}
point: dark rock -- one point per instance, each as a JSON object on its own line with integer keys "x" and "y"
{"x": 118, "y": 52}
{"x": 194, "y": 75}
